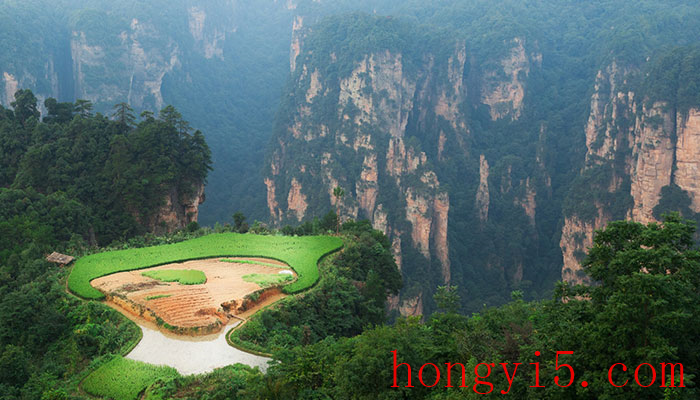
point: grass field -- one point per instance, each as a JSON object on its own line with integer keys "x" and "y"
{"x": 301, "y": 253}
{"x": 253, "y": 262}
{"x": 267, "y": 279}
{"x": 124, "y": 379}
{"x": 183, "y": 276}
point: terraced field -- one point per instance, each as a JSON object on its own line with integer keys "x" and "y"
{"x": 196, "y": 309}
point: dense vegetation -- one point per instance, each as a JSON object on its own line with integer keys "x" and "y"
{"x": 641, "y": 310}
{"x": 350, "y": 296}
{"x": 112, "y": 174}
{"x": 565, "y": 44}
{"x": 57, "y": 193}
{"x": 237, "y": 93}
{"x": 301, "y": 253}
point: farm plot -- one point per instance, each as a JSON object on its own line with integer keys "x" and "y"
{"x": 123, "y": 379}
{"x": 300, "y": 253}
{"x": 197, "y": 308}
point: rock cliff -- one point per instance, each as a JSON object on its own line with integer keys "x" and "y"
{"x": 177, "y": 211}
{"x": 636, "y": 147}
{"x": 386, "y": 130}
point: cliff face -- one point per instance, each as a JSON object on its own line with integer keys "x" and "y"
{"x": 638, "y": 147}
{"x": 505, "y": 96}
{"x": 610, "y": 130}
{"x": 136, "y": 74}
{"x": 362, "y": 147}
{"x": 387, "y": 130}
{"x": 177, "y": 211}
{"x": 687, "y": 163}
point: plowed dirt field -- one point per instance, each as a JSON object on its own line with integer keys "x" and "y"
{"x": 188, "y": 306}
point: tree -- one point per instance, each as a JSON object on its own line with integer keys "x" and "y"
{"x": 172, "y": 117}
{"x": 147, "y": 115}
{"x": 58, "y": 112}
{"x": 646, "y": 297}
{"x": 447, "y": 299}
{"x": 83, "y": 107}
{"x": 25, "y": 106}
{"x": 124, "y": 115}
{"x": 329, "y": 221}
{"x": 338, "y": 193}
{"x": 239, "y": 224}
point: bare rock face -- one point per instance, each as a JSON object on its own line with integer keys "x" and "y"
{"x": 11, "y": 86}
{"x": 137, "y": 75}
{"x": 363, "y": 148}
{"x": 610, "y": 133}
{"x": 412, "y": 306}
{"x": 505, "y": 97}
{"x": 687, "y": 174}
{"x": 655, "y": 153}
{"x": 650, "y": 146}
{"x": 529, "y": 202}
{"x": 209, "y": 41}
{"x": 576, "y": 240}
{"x": 10, "y": 82}
{"x": 296, "y": 200}
{"x": 482, "y": 194}
{"x": 295, "y": 47}
{"x": 177, "y": 212}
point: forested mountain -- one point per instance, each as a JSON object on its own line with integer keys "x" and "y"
{"x": 488, "y": 139}
{"x": 69, "y": 182}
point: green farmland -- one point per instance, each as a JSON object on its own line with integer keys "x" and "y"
{"x": 124, "y": 379}
{"x": 182, "y": 276}
{"x": 265, "y": 280}
{"x": 301, "y": 253}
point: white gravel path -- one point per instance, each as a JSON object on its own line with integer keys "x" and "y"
{"x": 192, "y": 355}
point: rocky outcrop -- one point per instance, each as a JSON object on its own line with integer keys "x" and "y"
{"x": 412, "y": 306}
{"x": 209, "y": 42}
{"x": 43, "y": 87}
{"x": 11, "y": 86}
{"x": 576, "y": 239}
{"x": 137, "y": 75}
{"x": 296, "y": 200}
{"x": 482, "y": 194}
{"x": 610, "y": 135}
{"x": 364, "y": 149}
{"x": 650, "y": 145}
{"x": 505, "y": 96}
{"x": 271, "y": 199}
{"x": 654, "y": 153}
{"x": 529, "y": 202}
{"x": 295, "y": 46}
{"x": 687, "y": 172}
{"x": 177, "y": 211}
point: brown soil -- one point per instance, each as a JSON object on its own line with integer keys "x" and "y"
{"x": 193, "y": 309}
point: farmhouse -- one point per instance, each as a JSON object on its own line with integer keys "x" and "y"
{"x": 60, "y": 259}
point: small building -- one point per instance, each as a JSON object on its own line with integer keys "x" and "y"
{"x": 60, "y": 259}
